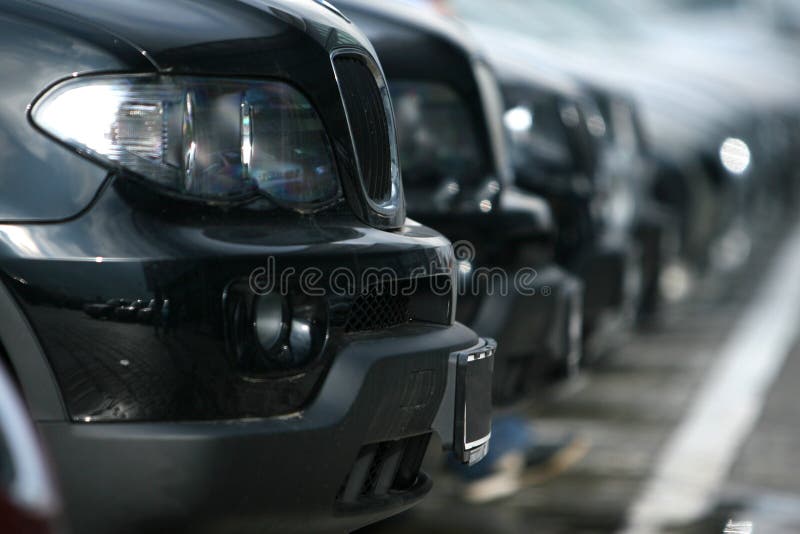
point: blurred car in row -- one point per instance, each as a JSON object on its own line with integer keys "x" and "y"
{"x": 459, "y": 179}
{"x": 487, "y": 142}
{"x": 562, "y": 150}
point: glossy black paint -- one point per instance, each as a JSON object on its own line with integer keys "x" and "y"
{"x": 271, "y": 43}
{"x": 173, "y": 366}
{"x": 90, "y": 257}
{"x": 37, "y": 49}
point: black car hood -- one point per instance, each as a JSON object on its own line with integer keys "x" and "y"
{"x": 183, "y": 35}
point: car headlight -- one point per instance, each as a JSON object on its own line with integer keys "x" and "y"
{"x": 436, "y": 135}
{"x": 537, "y": 128}
{"x": 735, "y": 156}
{"x": 218, "y": 140}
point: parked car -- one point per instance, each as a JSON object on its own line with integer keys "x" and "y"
{"x": 147, "y": 314}
{"x": 29, "y": 501}
{"x": 562, "y": 151}
{"x": 128, "y": 312}
{"x": 289, "y": 384}
{"x": 103, "y": 310}
{"x": 628, "y": 157}
{"x": 459, "y": 179}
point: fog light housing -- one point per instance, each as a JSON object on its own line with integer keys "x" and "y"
{"x": 272, "y": 333}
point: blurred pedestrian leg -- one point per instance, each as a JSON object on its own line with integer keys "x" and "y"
{"x": 518, "y": 458}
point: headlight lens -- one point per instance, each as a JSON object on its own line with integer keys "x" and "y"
{"x": 435, "y": 134}
{"x": 212, "y": 139}
{"x": 735, "y": 156}
{"x": 538, "y": 135}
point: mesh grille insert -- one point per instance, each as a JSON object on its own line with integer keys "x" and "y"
{"x": 378, "y": 308}
{"x": 368, "y": 125}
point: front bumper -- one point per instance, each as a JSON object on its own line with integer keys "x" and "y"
{"x": 183, "y": 439}
{"x": 538, "y": 328}
{"x": 612, "y": 274}
{"x": 285, "y": 474}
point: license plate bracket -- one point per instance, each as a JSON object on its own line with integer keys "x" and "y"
{"x": 464, "y": 421}
{"x": 473, "y": 424}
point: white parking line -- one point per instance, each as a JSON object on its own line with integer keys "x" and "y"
{"x": 696, "y": 460}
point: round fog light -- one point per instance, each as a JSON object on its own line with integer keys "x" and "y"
{"x": 289, "y": 331}
{"x": 268, "y": 320}
{"x": 273, "y": 333}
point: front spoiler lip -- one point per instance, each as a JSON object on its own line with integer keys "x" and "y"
{"x": 564, "y": 294}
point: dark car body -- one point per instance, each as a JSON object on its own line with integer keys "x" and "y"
{"x": 163, "y": 413}
{"x": 596, "y": 193}
{"x": 656, "y": 217}
{"x": 598, "y": 249}
{"x": 498, "y": 229}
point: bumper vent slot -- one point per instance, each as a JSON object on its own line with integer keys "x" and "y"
{"x": 369, "y": 125}
{"x": 384, "y": 470}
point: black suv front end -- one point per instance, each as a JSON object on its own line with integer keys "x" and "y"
{"x": 218, "y": 335}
